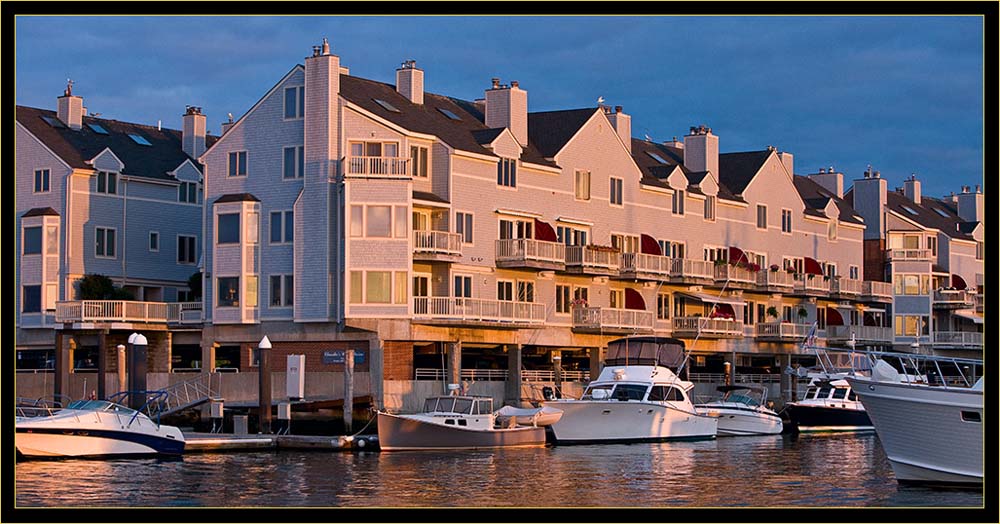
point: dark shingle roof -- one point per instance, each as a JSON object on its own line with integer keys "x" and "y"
{"x": 653, "y": 170}
{"x": 736, "y": 170}
{"x": 816, "y": 198}
{"x": 927, "y": 216}
{"x": 550, "y": 130}
{"x": 429, "y": 197}
{"x": 487, "y": 136}
{"x": 40, "y": 212}
{"x": 76, "y": 147}
{"x": 236, "y": 197}
{"x": 968, "y": 227}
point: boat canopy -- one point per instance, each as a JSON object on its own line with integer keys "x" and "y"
{"x": 459, "y": 404}
{"x": 645, "y": 351}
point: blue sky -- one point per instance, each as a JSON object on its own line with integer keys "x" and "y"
{"x": 904, "y": 94}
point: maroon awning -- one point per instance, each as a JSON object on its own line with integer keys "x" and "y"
{"x": 958, "y": 282}
{"x": 723, "y": 311}
{"x": 649, "y": 245}
{"x": 545, "y": 232}
{"x": 833, "y": 317}
{"x": 736, "y": 255}
{"x": 634, "y": 300}
{"x": 869, "y": 319}
{"x": 813, "y": 267}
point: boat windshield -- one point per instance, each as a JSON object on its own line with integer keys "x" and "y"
{"x": 463, "y": 405}
{"x": 100, "y": 405}
{"x": 740, "y": 398}
{"x": 485, "y": 406}
{"x": 598, "y": 392}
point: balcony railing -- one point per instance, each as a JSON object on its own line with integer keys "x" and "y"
{"x": 877, "y": 290}
{"x": 967, "y": 339}
{"x": 549, "y": 375}
{"x": 781, "y": 330}
{"x": 645, "y": 264}
{"x": 598, "y": 318}
{"x": 526, "y": 251}
{"x": 953, "y": 297}
{"x": 860, "y": 333}
{"x": 128, "y": 311}
{"x": 588, "y": 258}
{"x": 908, "y": 254}
{"x": 734, "y": 274}
{"x": 527, "y": 375}
{"x": 437, "y": 243}
{"x": 376, "y": 166}
{"x": 781, "y": 279}
{"x": 683, "y": 268}
{"x": 714, "y": 327}
{"x": 809, "y": 283}
{"x": 719, "y": 378}
{"x": 846, "y": 286}
{"x": 477, "y": 310}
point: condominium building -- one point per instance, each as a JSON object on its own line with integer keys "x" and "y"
{"x": 445, "y": 240}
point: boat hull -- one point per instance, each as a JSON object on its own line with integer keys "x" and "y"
{"x": 733, "y": 422}
{"x": 399, "y": 433}
{"x": 65, "y": 442}
{"x": 587, "y": 421}
{"x": 813, "y": 418}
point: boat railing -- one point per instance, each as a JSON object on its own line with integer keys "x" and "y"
{"x": 153, "y": 403}
{"x": 914, "y": 367}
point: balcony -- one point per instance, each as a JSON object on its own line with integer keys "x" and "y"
{"x": 437, "y": 246}
{"x": 775, "y": 280}
{"x": 456, "y": 311}
{"x": 908, "y": 254}
{"x": 846, "y": 287}
{"x": 876, "y": 291}
{"x": 958, "y": 339}
{"x": 607, "y": 320}
{"x": 781, "y": 331}
{"x": 376, "y": 167}
{"x": 734, "y": 276}
{"x": 128, "y": 311}
{"x": 954, "y": 299}
{"x": 516, "y": 253}
{"x": 811, "y": 285}
{"x": 592, "y": 260}
{"x": 862, "y": 334}
{"x": 690, "y": 271}
{"x": 642, "y": 266}
{"x": 690, "y": 327}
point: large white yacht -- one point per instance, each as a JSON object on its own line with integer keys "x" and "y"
{"x": 636, "y": 398}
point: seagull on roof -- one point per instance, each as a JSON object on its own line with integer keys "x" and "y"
{"x": 649, "y": 138}
{"x": 600, "y": 100}
{"x": 230, "y": 116}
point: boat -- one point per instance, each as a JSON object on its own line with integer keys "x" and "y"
{"x": 543, "y": 416}
{"x": 97, "y": 429}
{"x": 743, "y": 410}
{"x": 828, "y": 405}
{"x": 455, "y": 422}
{"x": 636, "y": 398}
{"x": 932, "y": 432}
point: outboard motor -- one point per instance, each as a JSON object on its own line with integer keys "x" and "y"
{"x": 548, "y": 393}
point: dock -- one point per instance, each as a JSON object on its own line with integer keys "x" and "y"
{"x": 213, "y": 442}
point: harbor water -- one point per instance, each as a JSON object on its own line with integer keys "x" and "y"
{"x": 828, "y": 470}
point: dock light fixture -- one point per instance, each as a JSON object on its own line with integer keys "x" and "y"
{"x": 264, "y": 381}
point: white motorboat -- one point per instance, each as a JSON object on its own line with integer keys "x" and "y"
{"x": 931, "y": 433}
{"x": 743, "y": 410}
{"x": 636, "y": 398}
{"x": 95, "y": 428}
{"x": 455, "y": 422}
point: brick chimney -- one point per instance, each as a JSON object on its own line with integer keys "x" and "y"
{"x": 869, "y": 201}
{"x": 970, "y": 205}
{"x": 832, "y": 180}
{"x": 622, "y": 124}
{"x": 507, "y": 106}
{"x": 69, "y": 108}
{"x": 701, "y": 150}
{"x": 410, "y": 82}
{"x": 911, "y": 188}
{"x": 193, "y": 132}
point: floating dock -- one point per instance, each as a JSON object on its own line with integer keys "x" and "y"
{"x": 212, "y": 442}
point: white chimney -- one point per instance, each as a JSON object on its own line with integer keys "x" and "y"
{"x": 193, "y": 132}
{"x": 911, "y": 188}
{"x": 69, "y": 108}
{"x": 410, "y": 82}
{"x": 701, "y": 150}
{"x": 869, "y": 201}
{"x": 970, "y": 205}
{"x": 832, "y": 181}
{"x": 789, "y": 162}
{"x": 507, "y": 106}
{"x": 622, "y": 124}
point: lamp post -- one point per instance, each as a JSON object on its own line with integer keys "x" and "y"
{"x": 121, "y": 367}
{"x": 264, "y": 380}
{"x": 137, "y": 371}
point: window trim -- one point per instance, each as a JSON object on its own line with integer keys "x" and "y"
{"x": 298, "y": 168}
{"x": 619, "y": 192}
{"x": 97, "y": 230}
{"x": 194, "y": 243}
{"x": 472, "y": 222}
{"x": 507, "y": 173}
{"x": 106, "y": 176}
{"x": 239, "y": 289}
{"x": 415, "y": 158}
{"x": 240, "y": 227}
{"x": 761, "y": 207}
{"x": 576, "y": 183}
{"x": 246, "y": 164}
{"x": 46, "y": 181}
{"x": 282, "y": 293}
{"x": 299, "y": 103}
{"x": 567, "y": 303}
{"x": 41, "y": 240}
{"x": 284, "y": 214}
{"x": 149, "y": 243}
{"x": 711, "y": 203}
{"x": 789, "y": 215}
{"x": 678, "y": 203}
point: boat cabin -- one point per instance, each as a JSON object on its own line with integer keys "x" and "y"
{"x": 624, "y": 392}
{"x": 461, "y": 411}
{"x": 645, "y": 351}
{"x": 830, "y": 391}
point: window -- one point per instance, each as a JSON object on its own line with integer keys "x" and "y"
{"x": 625, "y": 243}
{"x": 932, "y": 245}
{"x": 671, "y": 249}
{"x": 665, "y": 393}
{"x": 97, "y": 128}
{"x": 657, "y": 157}
{"x": 229, "y": 229}
{"x": 378, "y": 287}
{"x": 853, "y": 273}
{"x": 831, "y": 231}
{"x": 616, "y": 191}
{"x": 525, "y": 291}
{"x": 41, "y": 181}
{"x": 582, "y": 182}
{"x": 571, "y": 236}
{"x": 378, "y": 221}
{"x": 911, "y": 326}
{"x": 463, "y": 226}
{"x": 295, "y": 102}
{"x": 282, "y": 290}
{"x": 418, "y": 158}
{"x": 616, "y": 298}
{"x": 186, "y": 250}
{"x": 282, "y": 227}
{"x": 238, "y": 163}
{"x": 507, "y": 172}
{"x": 139, "y": 139}
{"x": 401, "y": 291}
{"x": 710, "y": 208}
{"x": 678, "y": 202}
{"x": 251, "y": 298}
{"x": 448, "y": 114}
{"x": 32, "y": 240}
{"x": 979, "y": 250}
{"x": 154, "y": 241}
{"x": 357, "y": 287}
{"x": 581, "y": 295}
{"x": 229, "y": 292}
{"x": 562, "y": 299}
{"x": 462, "y": 286}
{"x": 786, "y": 220}
{"x": 905, "y": 284}
{"x": 505, "y": 290}
{"x": 399, "y": 222}
{"x": 786, "y": 313}
{"x": 516, "y": 229}
{"x": 52, "y": 240}
{"x": 715, "y": 253}
{"x": 386, "y": 105}
{"x": 31, "y": 301}
{"x": 105, "y": 242}
{"x": 761, "y": 313}
{"x": 107, "y": 183}
{"x": 187, "y": 192}
{"x": 748, "y": 313}
{"x": 293, "y": 162}
{"x": 909, "y": 210}
{"x": 761, "y": 216}
{"x": 663, "y": 306}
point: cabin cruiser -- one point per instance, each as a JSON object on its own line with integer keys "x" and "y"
{"x": 829, "y": 405}
{"x": 636, "y": 398}
{"x": 931, "y": 432}
{"x": 456, "y": 422}
{"x": 95, "y": 428}
{"x": 743, "y": 410}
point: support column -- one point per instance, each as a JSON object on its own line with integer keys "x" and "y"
{"x": 376, "y": 370}
{"x": 454, "y": 373}
{"x": 512, "y": 390}
{"x": 102, "y": 364}
{"x": 208, "y": 356}
{"x": 596, "y": 362}
{"x": 63, "y": 362}
{"x": 786, "y": 379}
{"x": 558, "y": 371}
{"x": 264, "y": 383}
{"x": 348, "y": 391}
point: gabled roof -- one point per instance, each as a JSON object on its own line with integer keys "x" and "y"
{"x": 77, "y": 147}
{"x": 654, "y": 172}
{"x": 487, "y": 136}
{"x": 816, "y": 198}
{"x": 736, "y": 170}
{"x": 428, "y": 197}
{"x": 968, "y": 227}
{"x": 926, "y": 215}
{"x": 549, "y": 131}
{"x": 40, "y": 212}
{"x": 236, "y": 197}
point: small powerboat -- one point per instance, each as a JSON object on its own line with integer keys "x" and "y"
{"x": 543, "y": 416}
{"x": 96, "y": 428}
{"x": 743, "y": 410}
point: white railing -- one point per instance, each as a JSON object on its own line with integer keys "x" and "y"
{"x": 707, "y": 326}
{"x": 768, "y": 278}
{"x": 811, "y": 283}
{"x": 111, "y": 311}
{"x": 437, "y": 242}
{"x": 527, "y": 249}
{"x": 908, "y": 254}
{"x": 861, "y": 333}
{"x": 871, "y": 288}
{"x": 727, "y": 272}
{"x": 465, "y": 374}
{"x": 781, "y": 330}
{"x": 376, "y": 166}
{"x": 645, "y": 263}
{"x": 954, "y": 296}
{"x": 846, "y": 286}
{"x": 549, "y": 375}
{"x": 184, "y": 312}
{"x": 958, "y": 338}
{"x": 607, "y": 318}
{"x": 691, "y": 268}
{"x": 477, "y": 310}
{"x": 719, "y": 378}
{"x": 589, "y": 257}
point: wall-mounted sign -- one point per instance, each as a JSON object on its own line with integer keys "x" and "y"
{"x": 337, "y": 356}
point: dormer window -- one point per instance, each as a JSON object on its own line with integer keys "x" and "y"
{"x": 107, "y": 183}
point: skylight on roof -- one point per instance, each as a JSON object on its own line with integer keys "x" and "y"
{"x": 942, "y": 213}
{"x": 386, "y": 105}
{"x": 139, "y": 139}
{"x": 657, "y": 157}
{"x": 448, "y": 114}
{"x": 97, "y": 128}
{"x": 54, "y": 122}
{"x": 909, "y": 210}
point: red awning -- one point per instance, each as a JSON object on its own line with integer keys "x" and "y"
{"x": 813, "y": 267}
{"x": 634, "y": 300}
{"x": 545, "y": 232}
{"x": 958, "y": 282}
{"x": 736, "y": 255}
{"x": 649, "y": 245}
{"x": 833, "y": 317}
{"x": 870, "y": 320}
{"x": 723, "y": 311}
